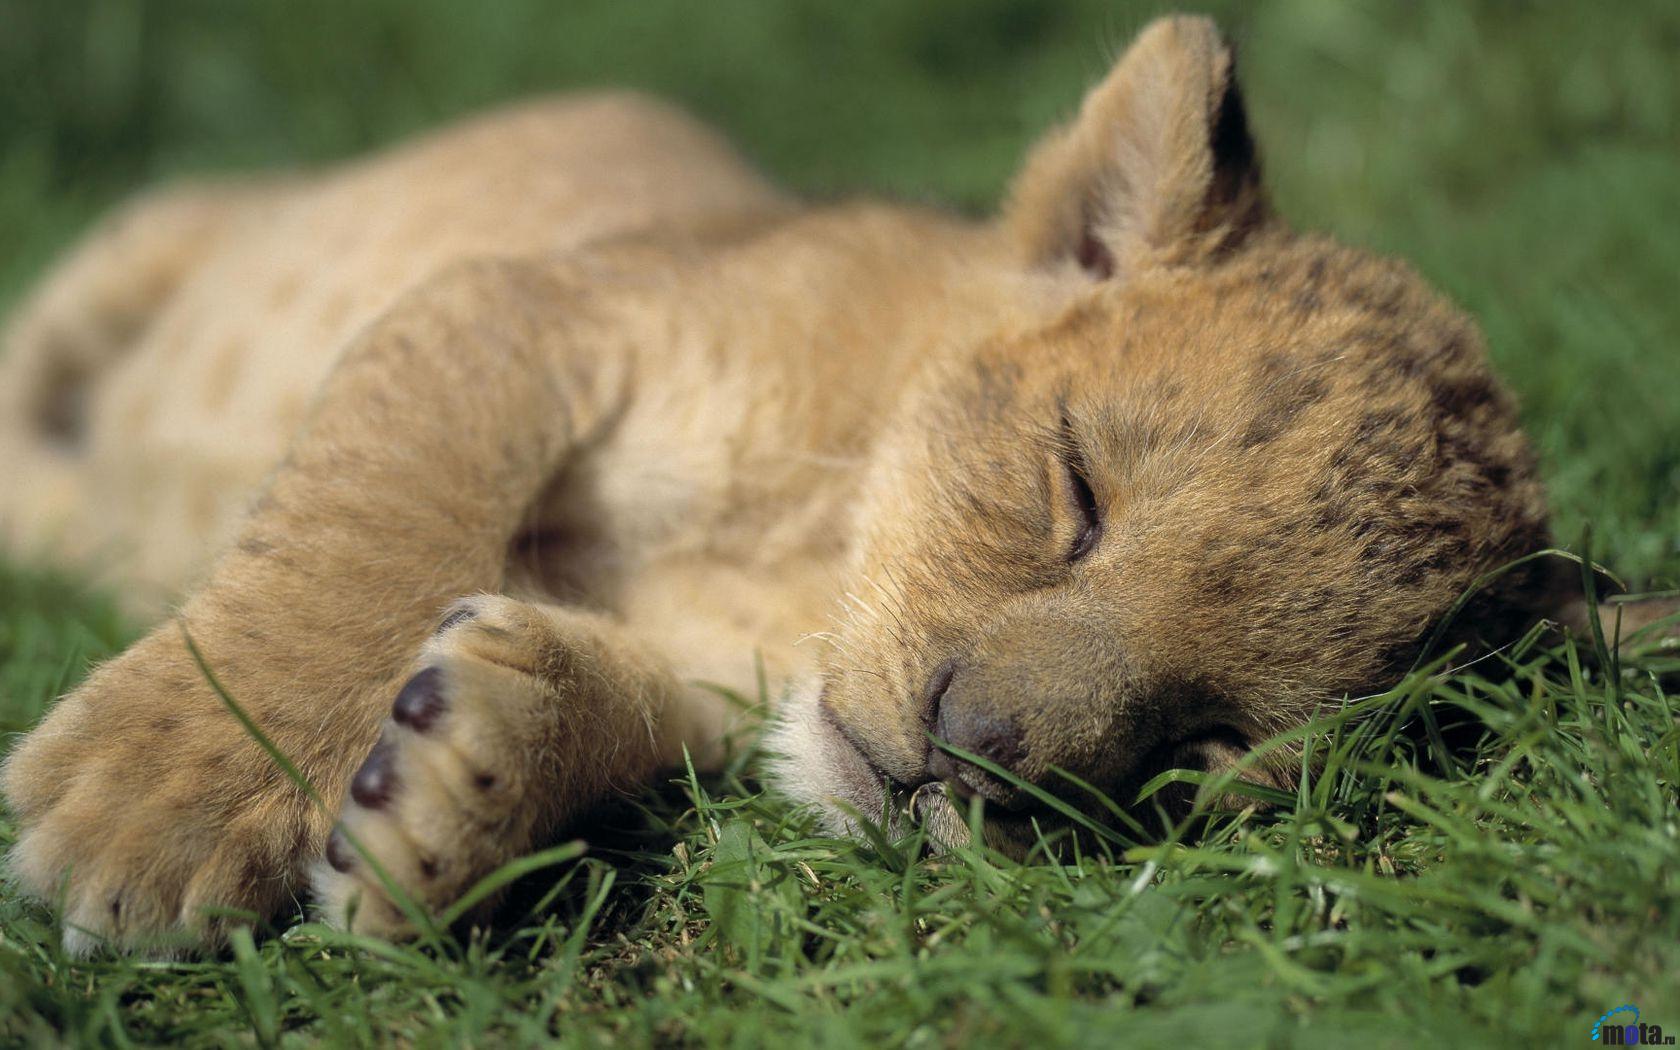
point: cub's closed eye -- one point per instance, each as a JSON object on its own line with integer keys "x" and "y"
{"x": 1089, "y": 517}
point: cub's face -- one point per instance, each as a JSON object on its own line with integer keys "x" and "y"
{"x": 1243, "y": 475}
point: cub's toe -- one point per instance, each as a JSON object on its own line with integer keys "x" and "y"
{"x": 436, "y": 805}
{"x": 421, "y": 702}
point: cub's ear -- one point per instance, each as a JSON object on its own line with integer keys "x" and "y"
{"x": 1157, "y": 168}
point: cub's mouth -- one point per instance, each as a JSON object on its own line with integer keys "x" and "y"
{"x": 940, "y": 799}
{"x": 1202, "y": 750}
{"x": 1015, "y": 819}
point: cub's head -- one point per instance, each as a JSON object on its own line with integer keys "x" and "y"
{"x": 1244, "y": 474}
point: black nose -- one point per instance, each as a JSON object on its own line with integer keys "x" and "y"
{"x": 965, "y": 720}
{"x": 937, "y": 685}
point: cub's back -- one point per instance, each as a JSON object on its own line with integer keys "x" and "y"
{"x": 210, "y": 383}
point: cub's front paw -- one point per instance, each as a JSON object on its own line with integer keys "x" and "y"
{"x": 464, "y": 774}
{"x": 144, "y": 809}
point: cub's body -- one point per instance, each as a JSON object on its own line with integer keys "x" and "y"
{"x": 713, "y": 514}
{"x": 551, "y": 424}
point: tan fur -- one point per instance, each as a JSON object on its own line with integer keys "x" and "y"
{"x": 577, "y": 363}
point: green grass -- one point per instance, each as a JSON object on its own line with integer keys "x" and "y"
{"x": 1526, "y": 157}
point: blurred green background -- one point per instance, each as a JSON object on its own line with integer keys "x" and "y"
{"x": 1525, "y": 156}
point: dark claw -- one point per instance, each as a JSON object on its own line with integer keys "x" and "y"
{"x": 375, "y": 782}
{"x": 420, "y": 703}
{"x": 459, "y": 614}
{"x": 339, "y": 853}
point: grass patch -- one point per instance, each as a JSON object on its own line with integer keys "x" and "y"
{"x": 1526, "y": 158}
{"x": 1511, "y": 892}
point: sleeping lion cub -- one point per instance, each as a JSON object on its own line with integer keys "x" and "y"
{"x": 481, "y": 462}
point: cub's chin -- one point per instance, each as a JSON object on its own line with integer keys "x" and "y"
{"x": 812, "y": 762}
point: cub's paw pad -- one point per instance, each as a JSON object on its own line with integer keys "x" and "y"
{"x": 437, "y": 802}
{"x": 421, "y": 701}
{"x": 376, "y": 780}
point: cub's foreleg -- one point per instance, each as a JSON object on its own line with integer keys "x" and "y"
{"x": 517, "y": 718}
{"x": 140, "y": 798}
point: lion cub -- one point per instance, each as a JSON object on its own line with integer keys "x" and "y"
{"x": 478, "y": 462}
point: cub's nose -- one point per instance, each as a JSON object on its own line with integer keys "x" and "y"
{"x": 962, "y": 718}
